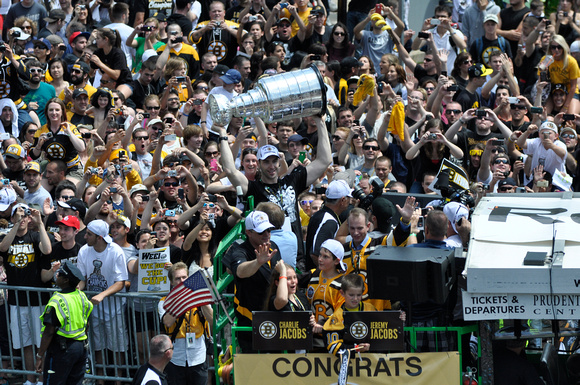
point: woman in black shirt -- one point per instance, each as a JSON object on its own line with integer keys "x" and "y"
{"x": 109, "y": 58}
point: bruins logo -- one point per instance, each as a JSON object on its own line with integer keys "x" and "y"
{"x": 486, "y": 55}
{"x": 268, "y": 330}
{"x": 4, "y": 89}
{"x": 359, "y": 330}
{"x": 56, "y": 150}
{"x": 219, "y": 49}
{"x": 21, "y": 260}
{"x": 310, "y": 292}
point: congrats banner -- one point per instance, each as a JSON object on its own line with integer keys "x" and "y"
{"x": 322, "y": 369}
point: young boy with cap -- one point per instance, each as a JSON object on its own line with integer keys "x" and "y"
{"x": 230, "y": 79}
{"x": 547, "y": 150}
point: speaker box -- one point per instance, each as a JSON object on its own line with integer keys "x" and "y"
{"x": 411, "y": 273}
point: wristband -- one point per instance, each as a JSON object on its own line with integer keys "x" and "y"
{"x": 403, "y": 222}
{"x": 462, "y": 121}
{"x": 38, "y": 356}
{"x": 203, "y": 122}
{"x": 225, "y": 138}
{"x": 412, "y": 235}
{"x": 283, "y": 276}
{"x": 184, "y": 114}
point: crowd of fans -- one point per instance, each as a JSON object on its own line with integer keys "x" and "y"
{"x": 109, "y": 147}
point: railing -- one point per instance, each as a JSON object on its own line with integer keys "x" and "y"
{"x": 133, "y": 308}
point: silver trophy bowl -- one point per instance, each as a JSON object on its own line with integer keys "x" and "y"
{"x": 285, "y": 96}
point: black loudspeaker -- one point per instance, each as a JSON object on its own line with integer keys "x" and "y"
{"x": 411, "y": 273}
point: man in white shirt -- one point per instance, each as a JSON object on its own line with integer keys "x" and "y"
{"x": 119, "y": 20}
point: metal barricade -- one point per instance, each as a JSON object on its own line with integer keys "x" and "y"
{"x": 122, "y": 326}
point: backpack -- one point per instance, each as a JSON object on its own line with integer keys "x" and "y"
{"x": 479, "y": 45}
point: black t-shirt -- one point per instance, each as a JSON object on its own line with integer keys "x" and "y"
{"x": 284, "y": 194}
{"x": 511, "y": 20}
{"x": 301, "y": 305}
{"x": 140, "y": 91}
{"x": 480, "y": 51}
{"x": 421, "y": 74}
{"x": 323, "y": 225}
{"x": 82, "y": 119}
{"x": 251, "y": 291}
{"x": 115, "y": 60}
{"x": 23, "y": 263}
{"x": 16, "y": 175}
{"x": 527, "y": 73}
{"x": 182, "y": 21}
{"x": 467, "y": 99}
{"x": 467, "y": 138}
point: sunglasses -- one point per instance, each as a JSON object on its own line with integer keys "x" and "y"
{"x": 173, "y": 100}
{"x": 429, "y": 88}
{"x": 427, "y": 60}
{"x": 304, "y": 203}
{"x": 374, "y": 148}
{"x": 36, "y": 70}
{"x": 497, "y": 150}
{"x": 171, "y": 184}
{"x": 115, "y": 99}
{"x": 555, "y": 47}
{"x": 467, "y": 61}
{"x": 149, "y": 108}
{"x": 336, "y": 137}
{"x": 506, "y": 188}
{"x": 210, "y": 205}
{"x": 567, "y": 136}
{"x": 211, "y": 153}
{"x": 475, "y": 152}
{"x": 453, "y": 111}
{"x": 67, "y": 197}
{"x": 171, "y": 222}
{"x": 338, "y": 33}
{"x": 517, "y": 107}
{"x": 141, "y": 137}
{"x": 500, "y": 161}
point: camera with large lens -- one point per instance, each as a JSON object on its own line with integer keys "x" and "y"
{"x": 365, "y": 201}
{"x": 452, "y": 194}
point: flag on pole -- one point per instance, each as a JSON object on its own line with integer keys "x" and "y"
{"x": 193, "y": 292}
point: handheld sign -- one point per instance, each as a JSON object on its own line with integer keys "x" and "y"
{"x": 277, "y": 330}
{"x": 152, "y": 272}
{"x": 383, "y": 330}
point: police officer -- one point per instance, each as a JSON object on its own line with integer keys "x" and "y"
{"x": 64, "y": 330}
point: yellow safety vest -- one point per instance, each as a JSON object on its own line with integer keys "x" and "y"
{"x": 72, "y": 310}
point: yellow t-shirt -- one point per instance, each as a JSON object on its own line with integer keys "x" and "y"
{"x": 560, "y": 75}
{"x": 304, "y": 16}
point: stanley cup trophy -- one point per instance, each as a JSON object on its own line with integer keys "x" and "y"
{"x": 285, "y": 96}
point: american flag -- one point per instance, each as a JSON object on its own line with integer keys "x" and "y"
{"x": 193, "y": 292}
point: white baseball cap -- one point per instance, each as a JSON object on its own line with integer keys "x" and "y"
{"x": 335, "y": 247}
{"x": 338, "y": 189}
{"x": 258, "y": 221}
{"x": 266, "y": 151}
{"x": 454, "y": 211}
{"x": 100, "y": 228}
{"x": 7, "y": 197}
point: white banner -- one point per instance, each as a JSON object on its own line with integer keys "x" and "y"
{"x": 152, "y": 272}
{"x": 520, "y": 306}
